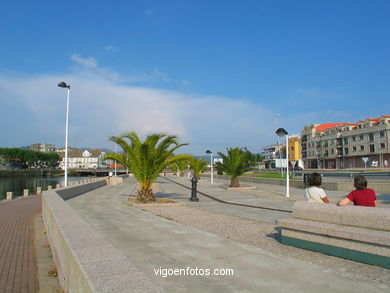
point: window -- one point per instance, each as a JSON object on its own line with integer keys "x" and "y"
{"x": 382, "y": 133}
{"x": 361, "y": 137}
{"x": 332, "y": 151}
{"x": 362, "y": 148}
{"x": 345, "y": 151}
{"x": 354, "y": 138}
{"x": 372, "y": 148}
{"x": 345, "y": 140}
{"x": 371, "y": 136}
{"x": 354, "y": 149}
{"x": 382, "y": 146}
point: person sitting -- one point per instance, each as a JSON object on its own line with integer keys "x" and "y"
{"x": 313, "y": 193}
{"x": 362, "y": 196}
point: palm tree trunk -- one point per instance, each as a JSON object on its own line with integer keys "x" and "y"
{"x": 234, "y": 182}
{"x": 145, "y": 195}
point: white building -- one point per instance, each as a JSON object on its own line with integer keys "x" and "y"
{"x": 79, "y": 159}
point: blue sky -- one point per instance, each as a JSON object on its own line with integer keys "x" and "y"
{"x": 213, "y": 72}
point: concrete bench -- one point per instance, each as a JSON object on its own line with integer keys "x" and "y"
{"x": 86, "y": 261}
{"x": 353, "y": 232}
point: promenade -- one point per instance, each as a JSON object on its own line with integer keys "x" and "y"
{"x": 212, "y": 235}
{"x": 18, "y": 266}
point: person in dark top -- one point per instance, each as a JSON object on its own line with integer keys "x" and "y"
{"x": 362, "y": 196}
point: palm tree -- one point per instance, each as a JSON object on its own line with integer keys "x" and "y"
{"x": 146, "y": 159}
{"x": 198, "y": 166}
{"x": 182, "y": 166}
{"x": 235, "y": 164}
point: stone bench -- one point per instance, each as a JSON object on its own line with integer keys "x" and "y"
{"x": 353, "y": 232}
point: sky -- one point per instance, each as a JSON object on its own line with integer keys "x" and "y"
{"x": 215, "y": 73}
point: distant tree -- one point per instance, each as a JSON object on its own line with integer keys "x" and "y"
{"x": 197, "y": 166}
{"x": 235, "y": 163}
{"x": 147, "y": 159}
{"x": 182, "y": 166}
{"x": 27, "y": 159}
{"x": 253, "y": 158}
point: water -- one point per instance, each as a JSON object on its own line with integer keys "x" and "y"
{"x": 16, "y": 184}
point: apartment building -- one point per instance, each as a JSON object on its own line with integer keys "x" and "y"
{"x": 294, "y": 151}
{"x": 364, "y": 144}
{"x": 274, "y": 152}
{"x": 43, "y": 147}
{"x": 79, "y": 159}
{"x": 271, "y": 153}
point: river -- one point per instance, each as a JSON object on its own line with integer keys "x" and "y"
{"x": 17, "y": 184}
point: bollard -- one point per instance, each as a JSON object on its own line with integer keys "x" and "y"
{"x": 193, "y": 189}
{"x": 25, "y": 192}
{"x": 10, "y": 195}
{"x": 39, "y": 190}
{"x": 58, "y": 186}
{"x": 49, "y": 187}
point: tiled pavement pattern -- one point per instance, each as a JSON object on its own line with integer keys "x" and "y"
{"x": 18, "y": 266}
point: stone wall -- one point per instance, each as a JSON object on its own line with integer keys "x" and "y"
{"x": 347, "y": 186}
{"x": 86, "y": 261}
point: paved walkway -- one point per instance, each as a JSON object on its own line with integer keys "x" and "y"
{"x": 212, "y": 236}
{"x": 18, "y": 266}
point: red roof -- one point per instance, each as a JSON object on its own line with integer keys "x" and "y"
{"x": 374, "y": 119}
{"x": 386, "y": 116}
{"x": 325, "y": 126}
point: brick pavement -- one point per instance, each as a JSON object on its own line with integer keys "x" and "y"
{"x": 18, "y": 265}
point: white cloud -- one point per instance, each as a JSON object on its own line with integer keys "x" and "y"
{"x": 149, "y": 12}
{"x": 111, "y": 48}
{"x": 101, "y": 106}
{"x": 157, "y": 74}
{"x": 185, "y": 82}
{"x": 88, "y": 62}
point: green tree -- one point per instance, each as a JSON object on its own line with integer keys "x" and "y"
{"x": 146, "y": 159}
{"x": 198, "y": 166}
{"x": 182, "y": 166}
{"x": 235, "y": 164}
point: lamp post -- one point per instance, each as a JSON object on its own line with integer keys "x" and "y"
{"x": 64, "y": 85}
{"x": 282, "y": 132}
{"x": 211, "y": 165}
{"x": 280, "y": 154}
{"x": 114, "y": 160}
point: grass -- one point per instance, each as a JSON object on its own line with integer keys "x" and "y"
{"x": 158, "y": 200}
{"x": 275, "y": 175}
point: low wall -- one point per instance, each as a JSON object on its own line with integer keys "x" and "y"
{"x": 86, "y": 261}
{"x": 353, "y": 232}
{"x": 347, "y": 186}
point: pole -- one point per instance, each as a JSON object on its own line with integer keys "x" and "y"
{"x": 277, "y": 141}
{"x": 212, "y": 169}
{"x": 115, "y": 161}
{"x": 379, "y": 150}
{"x": 66, "y": 138}
{"x": 287, "y": 178}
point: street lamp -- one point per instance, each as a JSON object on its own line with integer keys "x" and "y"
{"x": 64, "y": 85}
{"x": 280, "y": 153}
{"x": 282, "y": 132}
{"x": 211, "y": 164}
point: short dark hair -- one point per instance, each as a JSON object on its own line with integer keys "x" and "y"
{"x": 360, "y": 182}
{"x": 315, "y": 179}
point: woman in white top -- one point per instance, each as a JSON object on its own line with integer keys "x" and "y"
{"x": 313, "y": 193}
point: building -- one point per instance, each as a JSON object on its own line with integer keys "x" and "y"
{"x": 271, "y": 153}
{"x": 364, "y": 144}
{"x": 294, "y": 151}
{"x": 79, "y": 159}
{"x": 43, "y": 147}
